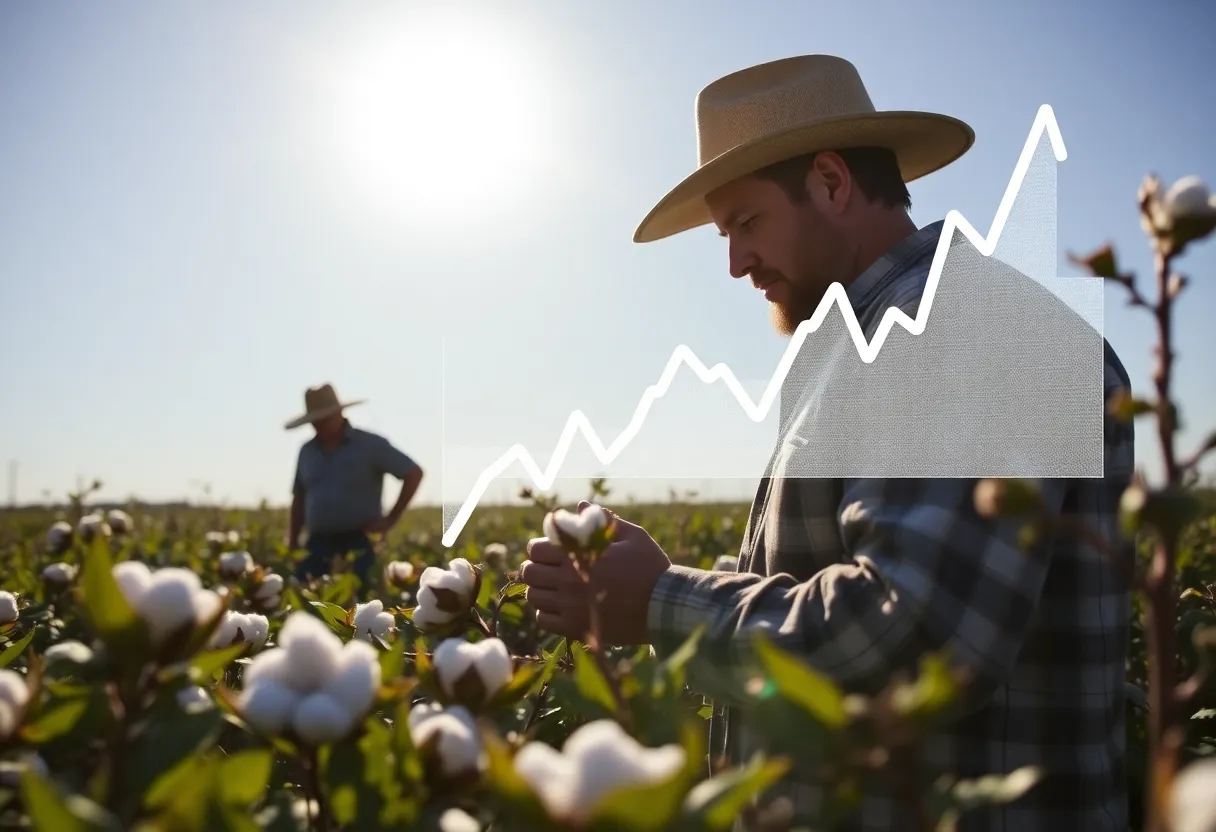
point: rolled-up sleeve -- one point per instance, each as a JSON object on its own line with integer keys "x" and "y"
{"x": 924, "y": 572}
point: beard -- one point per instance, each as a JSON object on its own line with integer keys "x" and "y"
{"x": 799, "y": 305}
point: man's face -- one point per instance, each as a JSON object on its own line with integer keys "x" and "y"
{"x": 791, "y": 250}
{"x": 330, "y": 426}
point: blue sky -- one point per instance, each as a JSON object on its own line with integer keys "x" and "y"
{"x": 207, "y": 207}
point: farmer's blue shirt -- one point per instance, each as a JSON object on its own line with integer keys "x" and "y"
{"x": 343, "y": 488}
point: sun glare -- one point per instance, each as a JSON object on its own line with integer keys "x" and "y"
{"x": 442, "y": 115}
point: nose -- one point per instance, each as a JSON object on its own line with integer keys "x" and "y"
{"x": 742, "y": 260}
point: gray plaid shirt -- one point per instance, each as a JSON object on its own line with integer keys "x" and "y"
{"x": 861, "y": 576}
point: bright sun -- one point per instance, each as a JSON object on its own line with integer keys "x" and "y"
{"x": 439, "y": 116}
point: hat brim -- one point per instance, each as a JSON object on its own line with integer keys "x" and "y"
{"x": 313, "y": 416}
{"x": 922, "y": 142}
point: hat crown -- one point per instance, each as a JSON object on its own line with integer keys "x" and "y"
{"x": 776, "y": 96}
{"x": 320, "y": 398}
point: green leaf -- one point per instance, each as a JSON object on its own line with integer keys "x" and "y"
{"x": 590, "y": 681}
{"x": 716, "y": 802}
{"x": 392, "y": 662}
{"x": 334, "y": 616}
{"x": 798, "y": 683}
{"x": 56, "y": 720}
{"x": 112, "y": 618}
{"x": 243, "y": 776}
{"x": 211, "y": 664}
{"x": 513, "y": 590}
{"x": 931, "y": 693}
{"x": 51, "y": 809}
{"x": 15, "y": 649}
{"x": 170, "y": 736}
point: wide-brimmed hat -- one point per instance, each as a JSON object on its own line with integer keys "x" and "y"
{"x": 319, "y": 402}
{"x": 785, "y": 108}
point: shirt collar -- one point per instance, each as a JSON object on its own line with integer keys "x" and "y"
{"x": 893, "y": 263}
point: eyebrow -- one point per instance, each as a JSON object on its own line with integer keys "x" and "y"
{"x": 731, "y": 219}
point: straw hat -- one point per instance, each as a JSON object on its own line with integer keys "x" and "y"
{"x": 320, "y": 402}
{"x": 785, "y": 108}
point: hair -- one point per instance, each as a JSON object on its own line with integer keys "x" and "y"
{"x": 874, "y": 169}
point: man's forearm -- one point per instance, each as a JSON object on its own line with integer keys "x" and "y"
{"x": 859, "y": 621}
{"x": 296, "y": 523}
{"x": 409, "y": 487}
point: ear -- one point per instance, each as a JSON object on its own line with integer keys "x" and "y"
{"x": 829, "y": 183}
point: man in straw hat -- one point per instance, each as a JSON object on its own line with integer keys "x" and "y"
{"x": 861, "y": 577}
{"x": 337, "y": 492}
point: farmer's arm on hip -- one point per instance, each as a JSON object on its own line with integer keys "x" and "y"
{"x": 926, "y": 572}
{"x": 395, "y": 461}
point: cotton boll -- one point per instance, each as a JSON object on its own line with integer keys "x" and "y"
{"x": 268, "y": 706}
{"x": 549, "y": 775}
{"x": 60, "y": 574}
{"x": 73, "y": 651}
{"x": 454, "y": 731}
{"x": 235, "y": 564}
{"x": 487, "y": 659}
{"x": 168, "y": 604}
{"x": 370, "y": 618}
{"x": 357, "y": 680}
{"x": 13, "y": 689}
{"x": 320, "y": 718}
{"x": 207, "y": 605}
{"x": 133, "y": 578}
{"x": 1192, "y": 805}
{"x": 270, "y": 665}
{"x": 312, "y": 650}
{"x": 8, "y": 607}
{"x": 457, "y": 820}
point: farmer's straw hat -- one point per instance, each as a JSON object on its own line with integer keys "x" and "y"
{"x": 781, "y": 109}
{"x": 320, "y": 402}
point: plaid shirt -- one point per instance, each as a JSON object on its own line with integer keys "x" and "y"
{"x": 859, "y": 577}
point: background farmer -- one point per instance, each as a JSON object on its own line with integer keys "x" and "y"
{"x": 337, "y": 493}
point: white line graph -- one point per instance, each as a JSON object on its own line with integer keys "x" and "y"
{"x": 1045, "y": 122}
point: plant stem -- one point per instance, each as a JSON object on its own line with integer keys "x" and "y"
{"x": 1164, "y": 736}
{"x": 596, "y": 646}
{"x": 318, "y": 821}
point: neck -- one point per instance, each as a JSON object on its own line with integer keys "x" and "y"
{"x": 884, "y": 232}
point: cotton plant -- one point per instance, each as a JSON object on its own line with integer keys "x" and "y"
{"x": 120, "y": 522}
{"x": 371, "y": 620}
{"x": 398, "y": 574}
{"x": 171, "y": 601}
{"x": 266, "y": 594}
{"x": 311, "y": 687}
{"x": 448, "y": 740}
{"x": 60, "y": 575}
{"x": 92, "y": 526}
{"x": 446, "y": 595}
{"x": 238, "y": 628}
{"x": 59, "y": 537}
{"x": 233, "y": 565}
{"x": 472, "y": 674}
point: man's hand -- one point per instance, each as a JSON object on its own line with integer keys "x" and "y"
{"x": 382, "y": 525}
{"x": 623, "y": 578}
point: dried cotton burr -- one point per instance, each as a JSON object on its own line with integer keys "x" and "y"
{"x": 310, "y": 687}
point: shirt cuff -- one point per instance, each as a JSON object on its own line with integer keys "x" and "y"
{"x": 678, "y": 604}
